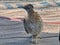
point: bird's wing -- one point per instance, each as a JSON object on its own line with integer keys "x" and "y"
{"x": 25, "y": 26}
{"x": 29, "y": 27}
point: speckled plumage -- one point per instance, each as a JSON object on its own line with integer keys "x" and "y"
{"x": 33, "y": 24}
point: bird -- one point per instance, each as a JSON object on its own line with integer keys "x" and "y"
{"x": 33, "y": 24}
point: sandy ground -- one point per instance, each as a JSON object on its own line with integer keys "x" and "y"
{"x": 13, "y": 33}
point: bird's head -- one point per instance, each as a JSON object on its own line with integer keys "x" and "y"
{"x": 28, "y": 7}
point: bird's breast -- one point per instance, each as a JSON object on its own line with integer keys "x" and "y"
{"x": 32, "y": 25}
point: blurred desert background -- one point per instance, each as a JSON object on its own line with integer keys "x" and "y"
{"x": 12, "y": 30}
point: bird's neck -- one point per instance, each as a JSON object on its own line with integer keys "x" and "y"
{"x": 30, "y": 11}
{"x": 32, "y": 15}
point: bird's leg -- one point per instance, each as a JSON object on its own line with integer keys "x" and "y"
{"x": 34, "y": 39}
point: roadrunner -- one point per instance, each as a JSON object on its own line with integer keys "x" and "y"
{"x": 32, "y": 24}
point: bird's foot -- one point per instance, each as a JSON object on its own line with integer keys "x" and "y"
{"x": 33, "y": 42}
